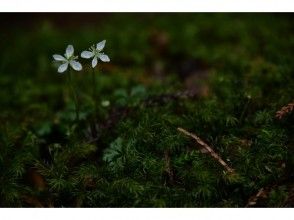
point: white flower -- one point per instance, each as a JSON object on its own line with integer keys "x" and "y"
{"x": 96, "y": 53}
{"x": 68, "y": 58}
{"x": 105, "y": 103}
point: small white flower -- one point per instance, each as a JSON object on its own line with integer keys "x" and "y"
{"x": 96, "y": 53}
{"x": 68, "y": 59}
{"x": 105, "y": 103}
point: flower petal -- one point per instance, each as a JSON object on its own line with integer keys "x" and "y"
{"x": 87, "y": 54}
{"x": 101, "y": 45}
{"x": 94, "y": 62}
{"x": 69, "y": 51}
{"x": 58, "y": 57}
{"x": 104, "y": 58}
{"x": 75, "y": 65}
{"x": 62, "y": 67}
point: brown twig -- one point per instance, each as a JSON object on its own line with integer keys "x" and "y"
{"x": 264, "y": 192}
{"x": 253, "y": 200}
{"x": 208, "y": 149}
{"x": 285, "y": 110}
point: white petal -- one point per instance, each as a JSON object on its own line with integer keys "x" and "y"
{"x": 62, "y": 67}
{"x": 87, "y": 54}
{"x": 76, "y": 65}
{"x": 104, "y": 58}
{"x": 69, "y": 51}
{"x": 101, "y": 45}
{"x": 58, "y": 57}
{"x": 94, "y": 62}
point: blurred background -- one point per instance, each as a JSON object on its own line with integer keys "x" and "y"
{"x": 186, "y": 46}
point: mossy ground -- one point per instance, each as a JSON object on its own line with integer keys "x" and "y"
{"x": 220, "y": 76}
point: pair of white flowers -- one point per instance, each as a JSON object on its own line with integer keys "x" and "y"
{"x": 69, "y": 59}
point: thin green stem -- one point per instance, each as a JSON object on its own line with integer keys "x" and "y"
{"x": 93, "y": 123}
{"x": 71, "y": 87}
{"x": 94, "y": 92}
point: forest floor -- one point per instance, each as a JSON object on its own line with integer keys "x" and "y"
{"x": 193, "y": 110}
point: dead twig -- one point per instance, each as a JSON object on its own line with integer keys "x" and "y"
{"x": 263, "y": 193}
{"x": 207, "y": 149}
{"x": 253, "y": 200}
{"x": 285, "y": 110}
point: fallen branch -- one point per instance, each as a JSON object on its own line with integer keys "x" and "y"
{"x": 208, "y": 149}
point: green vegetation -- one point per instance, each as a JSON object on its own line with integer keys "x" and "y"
{"x": 222, "y": 77}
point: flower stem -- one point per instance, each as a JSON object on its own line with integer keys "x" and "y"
{"x": 70, "y": 85}
{"x": 94, "y": 121}
{"x": 94, "y": 93}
